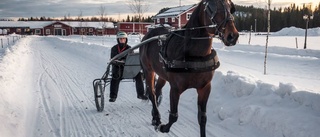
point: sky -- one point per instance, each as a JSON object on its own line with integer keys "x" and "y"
{"x": 46, "y": 90}
{"x": 115, "y": 8}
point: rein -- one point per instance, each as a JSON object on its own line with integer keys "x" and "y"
{"x": 193, "y": 63}
{"x": 194, "y": 38}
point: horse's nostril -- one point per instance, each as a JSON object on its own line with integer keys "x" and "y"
{"x": 230, "y": 37}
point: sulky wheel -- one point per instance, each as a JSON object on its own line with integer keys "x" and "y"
{"x": 99, "y": 95}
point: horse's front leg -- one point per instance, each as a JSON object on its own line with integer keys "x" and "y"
{"x": 173, "y": 116}
{"x": 203, "y": 95}
{"x": 150, "y": 77}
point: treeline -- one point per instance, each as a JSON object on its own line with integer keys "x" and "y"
{"x": 245, "y": 18}
{"x": 6, "y": 20}
{"x": 95, "y": 19}
{"x": 249, "y": 16}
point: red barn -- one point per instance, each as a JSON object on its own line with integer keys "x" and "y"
{"x": 57, "y": 28}
{"x": 176, "y": 17}
{"x": 134, "y": 27}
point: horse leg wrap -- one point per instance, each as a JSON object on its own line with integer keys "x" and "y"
{"x": 173, "y": 117}
{"x": 202, "y": 118}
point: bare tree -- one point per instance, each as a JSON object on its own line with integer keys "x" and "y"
{"x": 138, "y": 7}
{"x": 103, "y": 14}
{"x": 80, "y": 18}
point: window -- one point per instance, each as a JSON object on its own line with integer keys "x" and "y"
{"x": 48, "y": 31}
{"x": 37, "y": 31}
{"x": 173, "y": 19}
{"x": 188, "y": 15}
{"x": 165, "y": 19}
{"x": 158, "y": 20}
{"x": 91, "y": 30}
{"x": 18, "y": 30}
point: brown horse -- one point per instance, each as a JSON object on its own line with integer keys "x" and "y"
{"x": 185, "y": 59}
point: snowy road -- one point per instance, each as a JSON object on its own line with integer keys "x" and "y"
{"x": 65, "y": 97}
{"x": 46, "y": 91}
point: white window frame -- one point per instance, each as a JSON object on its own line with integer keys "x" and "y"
{"x": 48, "y": 31}
{"x": 37, "y": 31}
{"x": 173, "y": 19}
{"x": 188, "y": 16}
{"x": 158, "y": 20}
{"x": 165, "y": 19}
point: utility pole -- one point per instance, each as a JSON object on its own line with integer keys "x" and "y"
{"x": 266, "y": 51}
{"x": 307, "y": 18}
{"x": 255, "y": 25}
{"x": 180, "y": 15}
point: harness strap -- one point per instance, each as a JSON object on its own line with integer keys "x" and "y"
{"x": 193, "y": 64}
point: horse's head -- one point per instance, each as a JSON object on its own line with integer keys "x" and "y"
{"x": 218, "y": 13}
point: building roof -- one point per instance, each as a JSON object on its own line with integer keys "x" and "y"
{"x": 30, "y": 24}
{"x": 41, "y": 24}
{"x": 175, "y": 11}
{"x": 88, "y": 24}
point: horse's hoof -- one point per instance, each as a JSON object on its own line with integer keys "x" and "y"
{"x": 157, "y": 128}
{"x": 161, "y": 128}
{"x": 155, "y": 123}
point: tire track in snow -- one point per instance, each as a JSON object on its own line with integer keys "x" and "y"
{"x": 69, "y": 79}
{"x": 56, "y": 72}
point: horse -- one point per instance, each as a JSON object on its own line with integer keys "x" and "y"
{"x": 186, "y": 59}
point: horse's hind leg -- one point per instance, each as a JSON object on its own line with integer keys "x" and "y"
{"x": 150, "y": 78}
{"x": 159, "y": 85}
{"x": 203, "y": 95}
{"x": 173, "y": 116}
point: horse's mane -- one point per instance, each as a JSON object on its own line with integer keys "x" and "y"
{"x": 155, "y": 32}
{"x": 182, "y": 39}
{"x": 194, "y": 22}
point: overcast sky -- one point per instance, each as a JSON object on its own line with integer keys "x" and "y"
{"x": 114, "y": 8}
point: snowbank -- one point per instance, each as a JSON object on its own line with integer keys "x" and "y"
{"x": 293, "y": 31}
{"x": 276, "y": 110}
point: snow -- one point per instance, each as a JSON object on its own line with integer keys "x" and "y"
{"x": 46, "y": 90}
{"x": 41, "y": 24}
{"x": 293, "y": 31}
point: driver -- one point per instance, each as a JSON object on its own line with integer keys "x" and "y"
{"x": 117, "y": 69}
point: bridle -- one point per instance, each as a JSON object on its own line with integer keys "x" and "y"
{"x": 211, "y": 10}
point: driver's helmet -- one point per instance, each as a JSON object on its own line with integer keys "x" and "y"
{"x": 121, "y": 34}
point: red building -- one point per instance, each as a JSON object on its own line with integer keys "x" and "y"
{"x": 56, "y": 28}
{"x": 176, "y": 17}
{"x": 134, "y": 27}
{"x": 65, "y": 28}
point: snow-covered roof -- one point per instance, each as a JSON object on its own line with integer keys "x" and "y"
{"x": 175, "y": 11}
{"x": 88, "y": 24}
{"x": 30, "y": 24}
{"x": 41, "y": 24}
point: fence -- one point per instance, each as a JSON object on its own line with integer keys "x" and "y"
{"x": 5, "y": 41}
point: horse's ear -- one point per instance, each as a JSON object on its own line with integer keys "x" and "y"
{"x": 232, "y": 8}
